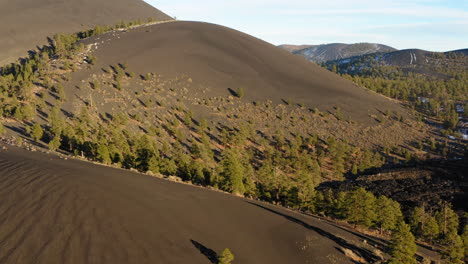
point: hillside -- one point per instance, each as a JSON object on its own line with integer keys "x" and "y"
{"x": 337, "y": 51}
{"x": 27, "y": 23}
{"x": 433, "y": 82}
{"x": 196, "y": 92}
{"x": 198, "y": 103}
{"x": 219, "y": 58}
{"x": 410, "y": 60}
{"x": 69, "y": 211}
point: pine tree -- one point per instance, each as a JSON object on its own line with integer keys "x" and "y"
{"x": 54, "y": 144}
{"x": 454, "y": 248}
{"x": 464, "y": 235}
{"x": 226, "y": 257}
{"x": 103, "y": 154}
{"x": 388, "y": 213}
{"x": 232, "y": 171}
{"x": 37, "y": 132}
{"x": 417, "y": 220}
{"x": 154, "y": 164}
{"x": 431, "y": 230}
{"x": 447, "y": 219}
{"x": 2, "y": 129}
{"x": 306, "y": 189}
{"x": 402, "y": 248}
{"x": 361, "y": 207}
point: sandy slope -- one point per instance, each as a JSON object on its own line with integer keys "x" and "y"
{"x": 67, "y": 211}
{"x": 222, "y": 58}
{"x": 27, "y": 23}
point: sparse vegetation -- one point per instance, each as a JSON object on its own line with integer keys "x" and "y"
{"x": 281, "y": 161}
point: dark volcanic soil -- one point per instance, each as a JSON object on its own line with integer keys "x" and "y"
{"x": 67, "y": 211}
{"x": 222, "y": 58}
{"x": 27, "y": 23}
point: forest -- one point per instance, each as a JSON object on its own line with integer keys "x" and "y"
{"x": 434, "y": 89}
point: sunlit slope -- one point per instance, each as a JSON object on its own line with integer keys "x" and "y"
{"x": 27, "y": 23}
{"x": 221, "y": 58}
{"x": 67, "y": 211}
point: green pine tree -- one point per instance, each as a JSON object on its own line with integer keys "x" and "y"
{"x": 103, "y": 154}
{"x": 54, "y": 144}
{"x": 464, "y": 235}
{"x": 232, "y": 171}
{"x": 361, "y": 207}
{"x": 388, "y": 213}
{"x": 2, "y": 129}
{"x": 402, "y": 248}
{"x": 37, "y": 132}
{"x": 431, "y": 230}
{"x": 453, "y": 249}
{"x": 447, "y": 219}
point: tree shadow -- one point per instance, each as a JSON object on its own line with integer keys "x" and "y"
{"x": 207, "y": 252}
{"x": 362, "y": 252}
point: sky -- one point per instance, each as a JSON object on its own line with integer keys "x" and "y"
{"x": 435, "y": 25}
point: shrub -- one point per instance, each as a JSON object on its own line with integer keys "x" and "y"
{"x": 226, "y": 257}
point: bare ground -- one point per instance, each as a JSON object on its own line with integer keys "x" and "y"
{"x": 220, "y": 59}
{"x": 68, "y": 211}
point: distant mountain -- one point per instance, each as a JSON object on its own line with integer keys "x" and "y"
{"x": 410, "y": 60}
{"x": 292, "y": 48}
{"x": 336, "y": 51}
{"x": 432, "y": 82}
{"x": 27, "y": 23}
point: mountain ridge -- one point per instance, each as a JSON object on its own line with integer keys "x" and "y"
{"x": 334, "y": 51}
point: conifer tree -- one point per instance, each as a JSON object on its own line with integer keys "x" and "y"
{"x": 447, "y": 219}
{"x": 464, "y": 235}
{"x": 37, "y": 132}
{"x": 417, "y": 220}
{"x": 402, "y": 248}
{"x": 103, "y": 154}
{"x": 388, "y": 213}
{"x": 306, "y": 189}
{"x": 54, "y": 144}
{"x": 454, "y": 251}
{"x": 2, "y": 129}
{"x": 361, "y": 207}
{"x": 232, "y": 171}
{"x": 431, "y": 230}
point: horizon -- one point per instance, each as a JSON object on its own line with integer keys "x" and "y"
{"x": 432, "y": 25}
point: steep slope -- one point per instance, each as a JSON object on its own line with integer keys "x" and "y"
{"x": 27, "y": 23}
{"x": 336, "y": 51}
{"x": 220, "y": 58}
{"x": 68, "y": 211}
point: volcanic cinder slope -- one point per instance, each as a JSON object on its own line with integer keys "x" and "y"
{"x": 27, "y": 23}
{"x": 68, "y": 211}
{"x": 221, "y": 58}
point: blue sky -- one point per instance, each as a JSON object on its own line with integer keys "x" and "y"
{"x": 436, "y": 25}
